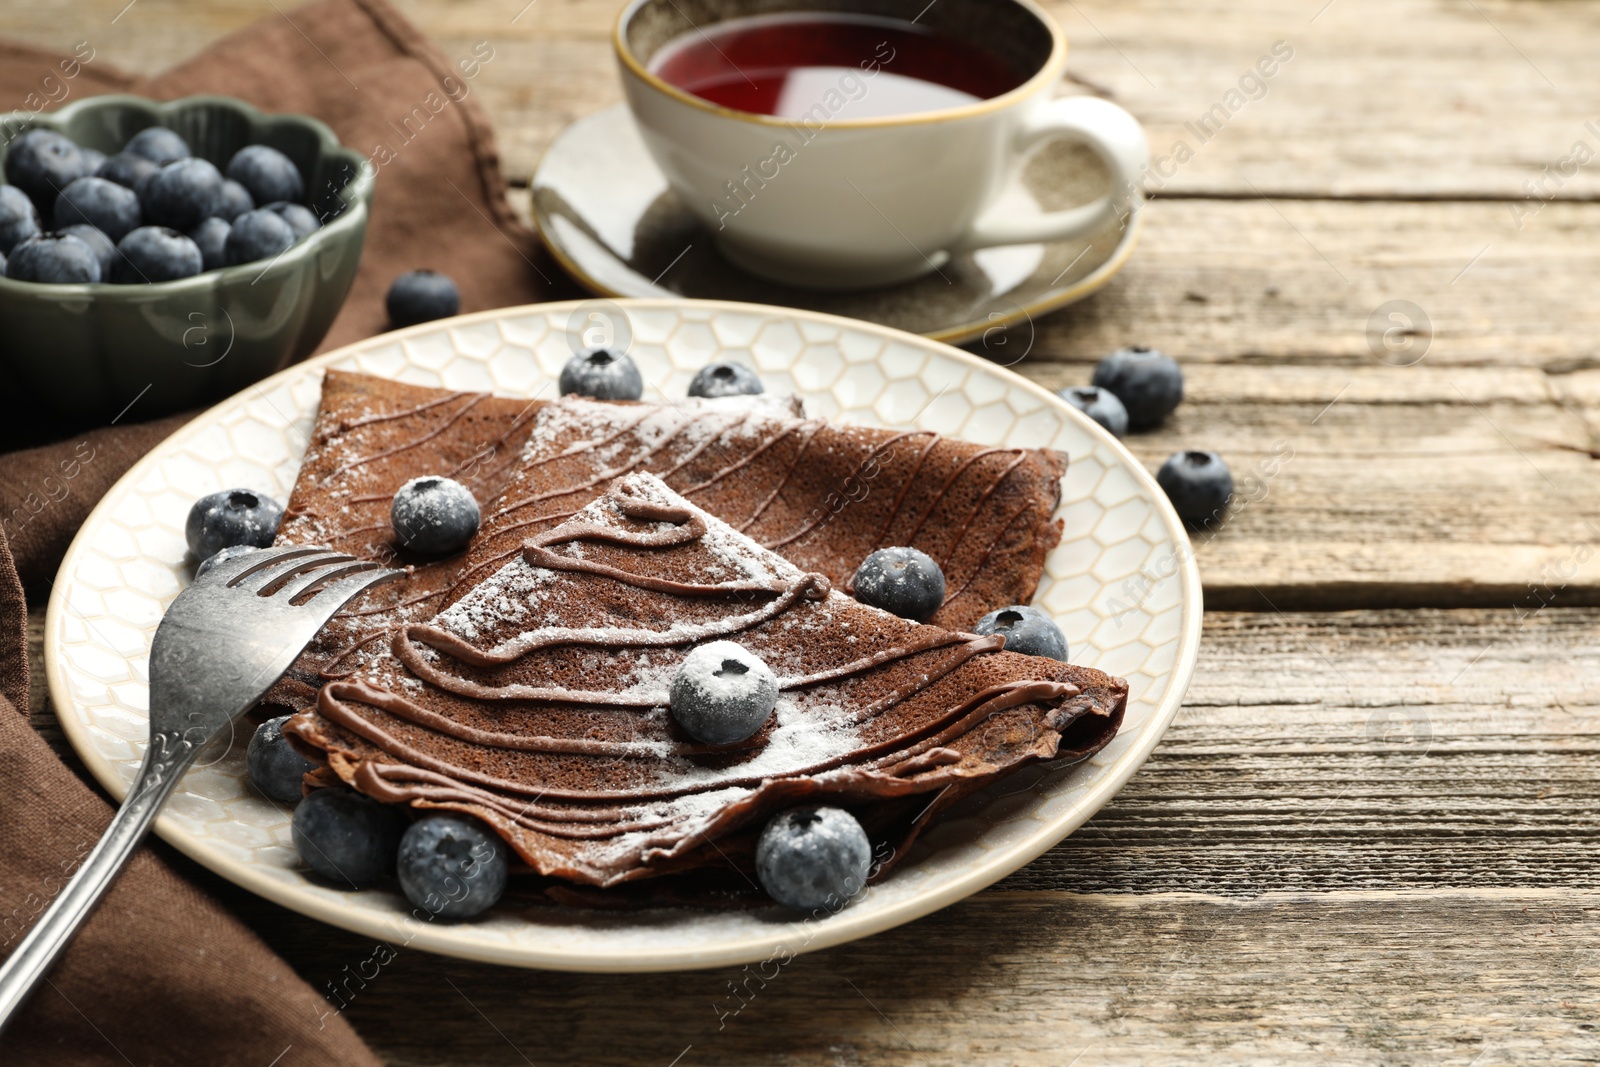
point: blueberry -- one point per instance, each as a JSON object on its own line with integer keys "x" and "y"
{"x": 1026, "y": 630}
{"x": 602, "y": 374}
{"x": 1101, "y": 405}
{"x": 1149, "y": 384}
{"x": 223, "y": 555}
{"x": 126, "y": 170}
{"x": 211, "y": 236}
{"x": 104, "y": 250}
{"x": 903, "y": 581}
{"x": 231, "y": 517}
{"x": 812, "y": 859}
{"x": 159, "y": 145}
{"x": 53, "y": 258}
{"x": 181, "y": 195}
{"x": 257, "y": 234}
{"x": 275, "y": 767}
{"x": 434, "y": 515}
{"x": 298, "y": 216}
{"x": 42, "y": 163}
{"x": 235, "y": 201}
{"x": 452, "y": 865}
{"x": 723, "y": 693}
{"x": 92, "y": 159}
{"x": 725, "y": 378}
{"x": 421, "y": 296}
{"x": 18, "y": 219}
{"x": 267, "y": 173}
{"x": 345, "y": 836}
{"x": 1198, "y": 484}
{"x": 105, "y": 205}
{"x": 155, "y": 254}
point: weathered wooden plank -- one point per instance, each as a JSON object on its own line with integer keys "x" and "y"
{"x": 1484, "y": 978}
{"x": 1382, "y": 99}
{"x": 1252, "y": 281}
{"x": 1382, "y": 486}
{"x": 1364, "y": 750}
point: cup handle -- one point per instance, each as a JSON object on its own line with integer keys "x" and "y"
{"x": 1113, "y": 134}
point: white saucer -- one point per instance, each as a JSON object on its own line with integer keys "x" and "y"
{"x": 607, "y": 215}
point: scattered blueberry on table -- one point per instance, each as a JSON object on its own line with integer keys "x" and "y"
{"x": 1149, "y": 384}
{"x": 813, "y": 859}
{"x": 345, "y": 836}
{"x": 41, "y": 163}
{"x": 1101, "y": 405}
{"x": 18, "y": 219}
{"x": 155, "y": 184}
{"x": 1027, "y": 630}
{"x": 902, "y": 581}
{"x": 452, "y": 865}
{"x": 229, "y": 518}
{"x": 275, "y": 767}
{"x": 159, "y": 145}
{"x": 722, "y": 693}
{"x": 256, "y": 235}
{"x": 105, "y": 205}
{"x": 1199, "y": 485}
{"x": 53, "y": 259}
{"x": 155, "y": 254}
{"x": 421, "y": 296}
{"x": 434, "y": 515}
{"x": 725, "y": 378}
{"x": 603, "y": 375}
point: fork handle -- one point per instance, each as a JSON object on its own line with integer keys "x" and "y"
{"x": 165, "y": 760}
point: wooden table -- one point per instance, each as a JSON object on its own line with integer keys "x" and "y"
{"x": 1370, "y": 837}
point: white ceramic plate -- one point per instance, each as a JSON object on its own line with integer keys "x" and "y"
{"x": 1122, "y": 584}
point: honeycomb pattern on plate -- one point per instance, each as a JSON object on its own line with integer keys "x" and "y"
{"x": 1121, "y": 584}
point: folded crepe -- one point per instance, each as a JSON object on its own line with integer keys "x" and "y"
{"x": 538, "y": 701}
{"x": 823, "y": 496}
{"x": 373, "y": 435}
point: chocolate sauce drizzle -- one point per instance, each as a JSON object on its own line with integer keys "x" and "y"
{"x": 425, "y": 648}
{"x": 811, "y": 428}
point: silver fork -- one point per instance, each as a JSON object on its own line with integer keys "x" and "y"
{"x": 222, "y": 644}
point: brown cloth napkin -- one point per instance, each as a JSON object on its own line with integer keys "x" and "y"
{"x": 162, "y": 974}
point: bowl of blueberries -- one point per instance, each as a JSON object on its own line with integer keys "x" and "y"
{"x": 170, "y": 253}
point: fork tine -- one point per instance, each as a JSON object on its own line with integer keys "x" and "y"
{"x": 255, "y": 581}
{"x": 322, "y": 576}
{"x": 339, "y": 593}
{"x": 226, "y": 571}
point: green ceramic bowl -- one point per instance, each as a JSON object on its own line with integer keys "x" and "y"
{"x": 91, "y": 350}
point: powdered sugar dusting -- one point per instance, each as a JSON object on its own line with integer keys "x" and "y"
{"x": 809, "y": 728}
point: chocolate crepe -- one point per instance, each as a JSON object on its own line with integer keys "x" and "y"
{"x": 538, "y": 700}
{"x": 821, "y": 495}
{"x": 373, "y": 435}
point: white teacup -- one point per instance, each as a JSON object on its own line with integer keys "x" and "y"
{"x": 841, "y": 203}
